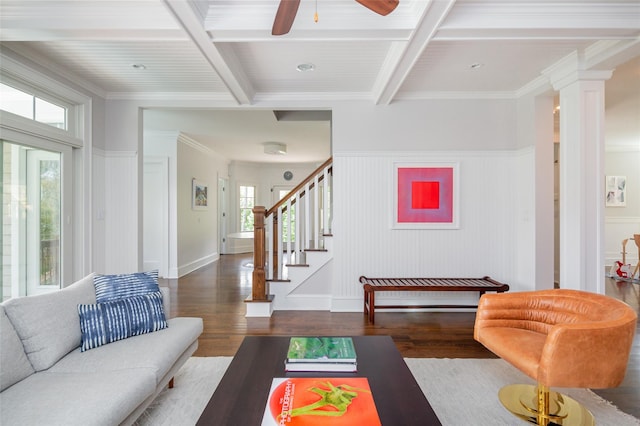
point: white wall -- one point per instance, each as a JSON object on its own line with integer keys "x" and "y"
{"x": 121, "y": 225}
{"x": 622, "y": 158}
{"x": 97, "y": 170}
{"x": 99, "y": 212}
{"x": 165, "y": 145}
{"x": 123, "y": 184}
{"x": 484, "y": 244}
{"x": 429, "y": 131}
{"x": 193, "y": 234}
{"x": 197, "y": 229}
{"x": 442, "y": 124}
{"x": 534, "y": 200}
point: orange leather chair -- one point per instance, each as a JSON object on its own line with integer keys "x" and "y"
{"x": 559, "y": 338}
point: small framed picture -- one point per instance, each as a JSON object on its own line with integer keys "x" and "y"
{"x": 616, "y": 191}
{"x": 199, "y": 198}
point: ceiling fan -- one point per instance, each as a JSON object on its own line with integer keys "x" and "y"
{"x": 288, "y": 8}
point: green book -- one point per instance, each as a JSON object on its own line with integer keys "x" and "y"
{"x": 321, "y": 349}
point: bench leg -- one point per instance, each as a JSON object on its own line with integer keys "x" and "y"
{"x": 372, "y": 307}
{"x": 369, "y": 305}
{"x": 366, "y": 303}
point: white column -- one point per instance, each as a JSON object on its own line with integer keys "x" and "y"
{"x": 582, "y": 179}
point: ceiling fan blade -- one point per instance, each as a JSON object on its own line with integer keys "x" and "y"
{"x": 284, "y": 16}
{"x": 381, "y": 7}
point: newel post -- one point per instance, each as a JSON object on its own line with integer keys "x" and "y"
{"x": 259, "y": 285}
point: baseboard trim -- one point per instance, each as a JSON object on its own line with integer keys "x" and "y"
{"x": 196, "y": 264}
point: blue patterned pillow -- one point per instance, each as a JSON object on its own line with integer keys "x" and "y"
{"x": 108, "y": 322}
{"x": 116, "y": 287}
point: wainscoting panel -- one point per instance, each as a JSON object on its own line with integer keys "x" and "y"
{"x": 98, "y": 211}
{"x": 121, "y": 212}
{"x": 365, "y": 244}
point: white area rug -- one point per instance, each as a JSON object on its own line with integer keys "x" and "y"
{"x": 474, "y": 384}
{"x": 461, "y": 392}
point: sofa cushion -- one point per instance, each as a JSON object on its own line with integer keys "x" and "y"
{"x": 108, "y": 322}
{"x": 67, "y": 399}
{"x": 122, "y": 286}
{"x": 47, "y": 324}
{"x": 156, "y": 351}
{"x": 14, "y": 365}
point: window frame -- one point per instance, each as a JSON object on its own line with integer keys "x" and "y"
{"x": 35, "y": 97}
{"x": 20, "y": 77}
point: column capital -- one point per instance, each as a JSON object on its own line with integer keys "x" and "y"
{"x": 571, "y": 70}
{"x": 560, "y": 82}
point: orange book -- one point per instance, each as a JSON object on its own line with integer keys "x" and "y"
{"x": 320, "y": 401}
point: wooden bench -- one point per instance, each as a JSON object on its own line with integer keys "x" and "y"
{"x": 371, "y": 285}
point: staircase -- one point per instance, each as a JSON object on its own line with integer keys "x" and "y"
{"x": 292, "y": 248}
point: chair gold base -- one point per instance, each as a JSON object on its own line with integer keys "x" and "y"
{"x": 539, "y": 405}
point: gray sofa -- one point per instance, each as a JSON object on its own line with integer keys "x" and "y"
{"x": 46, "y": 380}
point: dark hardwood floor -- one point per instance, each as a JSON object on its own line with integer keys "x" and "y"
{"x": 216, "y": 293}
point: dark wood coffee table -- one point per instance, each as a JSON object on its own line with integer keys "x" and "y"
{"x": 241, "y": 396}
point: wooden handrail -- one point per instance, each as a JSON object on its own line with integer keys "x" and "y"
{"x": 298, "y": 187}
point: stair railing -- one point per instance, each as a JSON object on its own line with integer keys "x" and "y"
{"x": 294, "y": 225}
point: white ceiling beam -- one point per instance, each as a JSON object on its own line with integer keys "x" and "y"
{"x": 248, "y": 36}
{"x": 239, "y": 15}
{"x": 401, "y": 59}
{"x": 224, "y": 63}
{"x": 543, "y": 15}
{"x": 541, "y": 21}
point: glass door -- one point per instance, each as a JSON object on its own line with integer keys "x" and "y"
{"x": 32, "y": 225}
{"x": 43, "y": 221}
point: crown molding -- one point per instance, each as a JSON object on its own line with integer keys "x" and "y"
{"x": 192, "y": 143}
{"x": 413, "y": 96}
{"x": 171, "y": 96}
{"x": 311, "y": 97}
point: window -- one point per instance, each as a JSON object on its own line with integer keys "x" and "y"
{"x": 44, "y": 193}
{"x": 32, "y": 230}
{"x": 247, "y": 202}
{"x": 32, "y": 107}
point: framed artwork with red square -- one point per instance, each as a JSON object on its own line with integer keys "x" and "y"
{"x": 425, "y": 196}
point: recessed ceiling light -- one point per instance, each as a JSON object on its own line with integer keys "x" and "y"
{"x": 306, "y": 67}
{"x": 476, "y": 65}
{"x": 139, "y": 66}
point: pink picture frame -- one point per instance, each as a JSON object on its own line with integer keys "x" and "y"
{"x": 425, "y": 196}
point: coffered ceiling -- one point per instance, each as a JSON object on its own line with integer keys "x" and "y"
{"x": 223, "y": 50}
